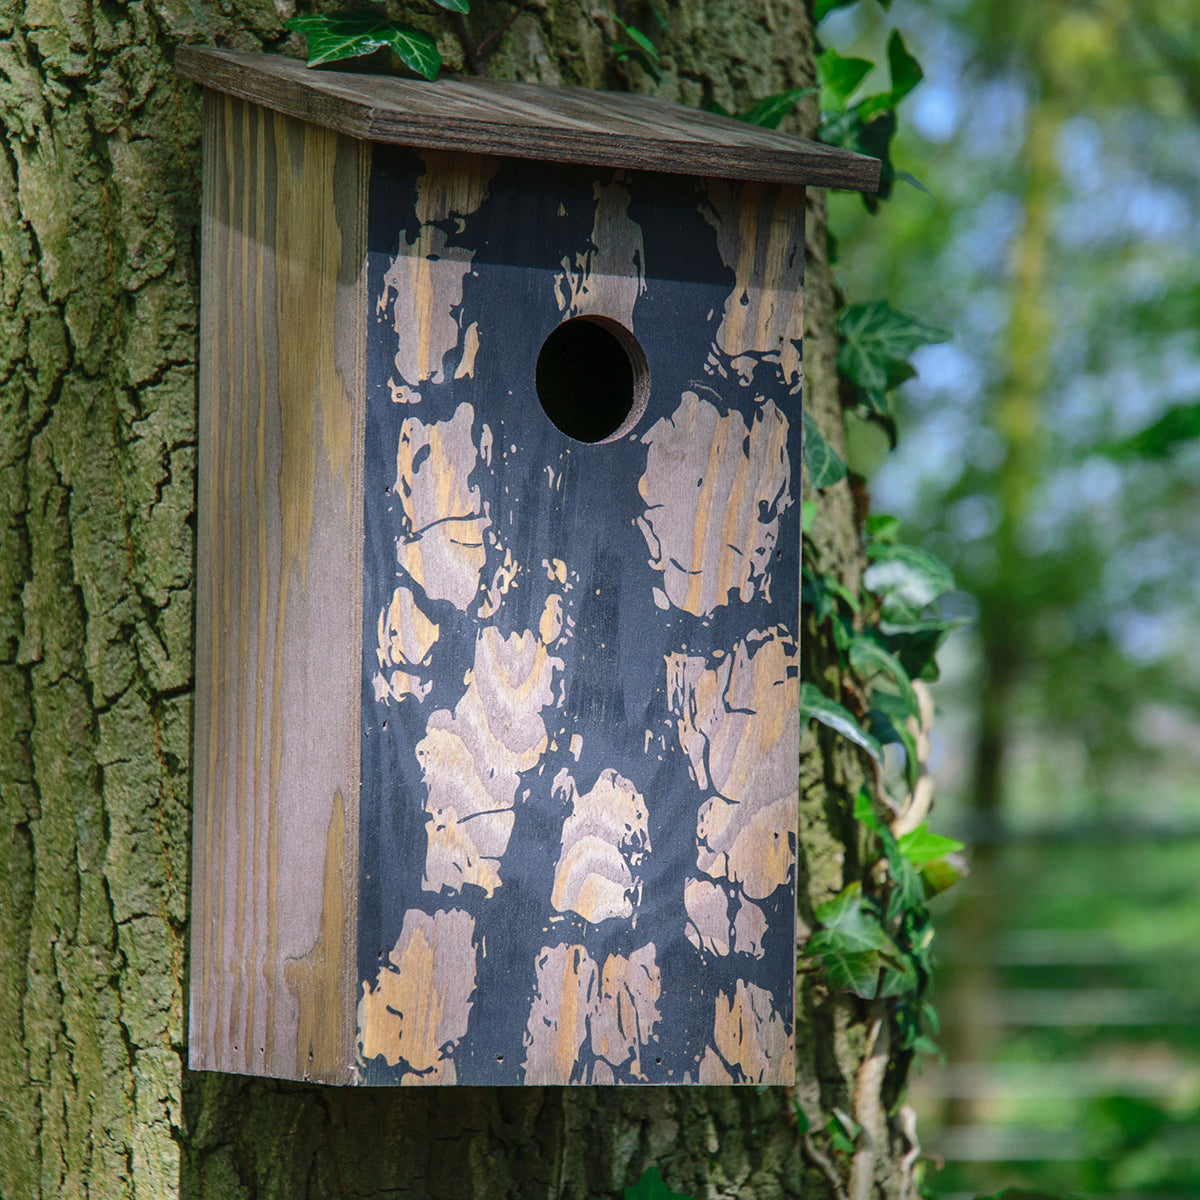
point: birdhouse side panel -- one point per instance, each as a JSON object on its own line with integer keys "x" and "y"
{"x": 279, "y": 597}
{"x": 580, "y": 671}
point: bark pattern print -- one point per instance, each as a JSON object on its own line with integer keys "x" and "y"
{"x": 579, "y": 741}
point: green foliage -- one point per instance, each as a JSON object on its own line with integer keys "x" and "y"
{"x": 921, "y": 846}
{"x": 868, "y": 126}
{"x": 906, "y": 580}
{"x": 825, "y": 465}
{"x": 827, "y": 597}
{"x": 843, "y": 1132}
{"x": 906, "y": 922}
{"x": 881, "y": 529}
{"x": 877, "y": 945}
{"x": 768, "y": 113}
{"x": 868, "y": 657}
{"x": 852, "y": 945}
{"x": 876, "y": 345}
{"x": 638, "y": 47}
{"x": 814, "y": 706}
{"x": 907, "y": 583}
{"x": 652, "y": 1187}
{"x": 905, "y": 74}
{"x": 838, "y": 78}
{"x": 348, "y": 35}
{"x": 873, "y": 358}
{"x": 887, "y": 638}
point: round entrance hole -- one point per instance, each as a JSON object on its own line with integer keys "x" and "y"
{"x": 592, "y": 379}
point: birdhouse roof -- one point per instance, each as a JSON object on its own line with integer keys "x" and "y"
{"x": 488, "y": 116}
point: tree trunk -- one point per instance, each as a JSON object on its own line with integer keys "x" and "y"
{"x": 99, "y": 203}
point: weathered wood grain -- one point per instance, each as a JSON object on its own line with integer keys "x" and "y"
{"x": 279, "y": 596}
{"x": 555, "y": 124}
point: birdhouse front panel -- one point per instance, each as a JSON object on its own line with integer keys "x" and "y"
{"x": 580, "y": 676}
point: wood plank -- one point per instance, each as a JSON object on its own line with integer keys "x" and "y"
{"x": 279, "y": 596}
{"x": 571, "y": 125}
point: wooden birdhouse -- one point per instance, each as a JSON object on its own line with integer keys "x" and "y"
{"x": 497, "y": 582}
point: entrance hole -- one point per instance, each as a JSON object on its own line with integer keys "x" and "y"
{"x": 592, "y": 379}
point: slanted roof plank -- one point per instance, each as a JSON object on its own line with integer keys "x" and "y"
{"x": 488, "y": 116}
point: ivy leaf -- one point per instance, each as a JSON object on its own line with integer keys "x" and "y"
{"x": 770, "y": 110}
{"x": 825, "y": 466}
{"x": 941, "y": 873}
{"x": 816, "y": 596}
{"x": 640, "y": 48}
{"x": 639, "y": 39}
{"x": 820, "y": 592}
{"x": 920, "y": 846}
{"x": 455, "y": 6}
{"x": 875, "y": 403}
{"x": 852, "y": 946}
{"x": 843, "y": 1131}
{"x": 909, "y": 893}
{"x": 842, "y": 592}
{"x": 838, "y": 77}
{"x": 929, "y": 1017}
{"x": 895, "y": 710}
{"x": 808, "y": 514}
{"x": 916, "y": 643}
{"x": 912, "y": 181}
{"x": 905, "y": 71}
{"x": 875, "y": 337}
{"x": 815, "y": 706}
{"x": 652, "y": 1187}
{"x": 871, "y": 136}
{"x": 869, "y": 656}
{"x": 900, "y": 978}
{"x": 347, "y": 35}
{"x": 864, "y": 811}
{"x": 906, "y": 579}
{"x": 882, "y": 529}
{"x": 888, "y": 723}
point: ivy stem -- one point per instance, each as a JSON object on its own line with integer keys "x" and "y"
{"x": 470, "y": 50}
{"x": 827, "y": 1168}
{"x": 908, "y": 1164}
{"x": 485, "y": 47}
{"x": 868, "y": 1109}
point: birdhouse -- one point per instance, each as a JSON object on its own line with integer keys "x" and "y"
{"x": 497, "y": 582}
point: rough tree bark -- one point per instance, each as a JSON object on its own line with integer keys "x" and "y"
{"x": 99, "y": 201}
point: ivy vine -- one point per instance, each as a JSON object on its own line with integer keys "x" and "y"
{"x": 873, "y": 939}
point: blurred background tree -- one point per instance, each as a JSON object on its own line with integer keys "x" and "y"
{"x": 1048, "y": 451}
{"x": 1050, "y": 454}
